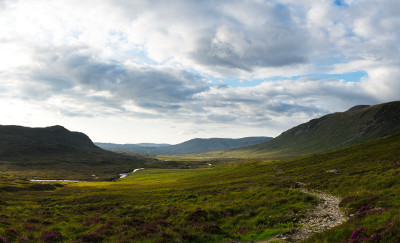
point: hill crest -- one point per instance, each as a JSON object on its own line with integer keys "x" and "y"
{"x": 329, "y": 132}
{"x": 26, "y": 141}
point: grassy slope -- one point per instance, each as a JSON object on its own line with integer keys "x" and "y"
{"x": 368, "y": 179}
{"x": 329, "y": 132}
{"x": 240, "y": 201}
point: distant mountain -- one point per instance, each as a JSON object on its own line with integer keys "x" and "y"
{"x": 192, "y": 146}
{"x": 333, "y": 131}
{"x": 128, "y": 147}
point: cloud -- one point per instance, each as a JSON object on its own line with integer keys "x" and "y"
{"x": 174, "y": 61}
{"x": 81, "y": 85}
{"x": 231, "y": 49}
{"x": 274, "y": 41}
{"x": 221, "y": 37}
{"x": 69, "y": 74}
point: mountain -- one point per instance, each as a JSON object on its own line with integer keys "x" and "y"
{"x": 333, "y": 131}
{"x": 196, "y": 145}
{"x": 128, "y": 147}
{"x": 57, "y": 153}
{"x": 25, "y": 141}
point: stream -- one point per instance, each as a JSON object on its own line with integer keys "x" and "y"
{"x": 122, "y": 175}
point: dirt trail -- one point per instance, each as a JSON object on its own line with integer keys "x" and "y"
{"x": 325, "y": 215}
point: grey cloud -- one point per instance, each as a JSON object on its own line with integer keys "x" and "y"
{"x": 260, "y": 104}
{"x": 286, "y": 108}
{"x": 221, "y": 118}
{"x": 158, "y": 89}
{"x": 181, "y": 95}
{"x": 277, "y": 41}
{"x": 222, "y": 36}
{"x": 148, "y": 87}
{"x": 72, "y": 113}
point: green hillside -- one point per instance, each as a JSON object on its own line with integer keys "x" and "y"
{"x": 327, "y": 133}
{"x": 367, "y": 177}
{"x": 26, "y": 141}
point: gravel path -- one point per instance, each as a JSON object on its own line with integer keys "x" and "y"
{"x": 325, "y": 215}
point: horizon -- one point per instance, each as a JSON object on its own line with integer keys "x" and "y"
{"x": 140, "y": 72}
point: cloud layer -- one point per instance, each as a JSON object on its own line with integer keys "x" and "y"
{"x": 201, "y": 65}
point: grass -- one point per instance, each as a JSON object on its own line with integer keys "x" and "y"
{"x": 231, "y": 200}
{"x": 86, "y": 167}
{"x": 226, "y": 202}
{"x": 368, "y": 180}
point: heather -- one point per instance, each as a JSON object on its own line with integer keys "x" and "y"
{"x": 228, "y": 201}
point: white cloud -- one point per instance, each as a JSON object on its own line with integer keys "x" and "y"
{"x": 152, "y": 59}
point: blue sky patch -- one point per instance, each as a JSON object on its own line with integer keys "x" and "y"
{"x": 340, "y": 3}
{"x": 237, "y": 82}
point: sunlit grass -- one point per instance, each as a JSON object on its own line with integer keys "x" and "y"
{"x": 205, "y": 205}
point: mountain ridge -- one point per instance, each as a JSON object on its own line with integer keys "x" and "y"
{"x": 43, "y": 140}
{"x": 195, "y": 145}
{"x": 329, "y": 132}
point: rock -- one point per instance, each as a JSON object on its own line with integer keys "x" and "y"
{"x": 324, "y": 216}
{"x": 333, "y": 171}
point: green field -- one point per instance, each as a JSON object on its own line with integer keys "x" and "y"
{"x": 239, "y": 202}
{"x": 230, "y": 201}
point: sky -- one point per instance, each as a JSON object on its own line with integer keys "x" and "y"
{"x": 126, "y": 71}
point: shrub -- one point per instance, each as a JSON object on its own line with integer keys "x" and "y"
{"x": 51, "y": 236}
{"x": 165, "y": 237}
{"x": 364, "y": 209}
{"x": 242, "y": 230}
{"x": 104, "y": 229}
{"x": 33, "y": 220}
{"x": 188, "y": 237}
{"x": 356, "y": 235}
{"x": 162, "y": 223}
{"x": 11, "y": 232}
{"x": 198, "y": 216}
{"x": 29, "y": 227}
{"x": 212, "y": 229}
{"x": 148, "y": 227}
{"x": 133, "y": 221}
{"x": 95, "y": 220}
{"x": 92, "y": 237}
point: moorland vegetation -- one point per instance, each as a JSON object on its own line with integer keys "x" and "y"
{"x": 200, "y": 200}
